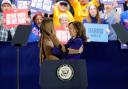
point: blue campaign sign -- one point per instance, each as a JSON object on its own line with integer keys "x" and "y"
{"x": 44, "y": 6}
{"x": 97, "y": 32}
{"x": 111, "y": 1}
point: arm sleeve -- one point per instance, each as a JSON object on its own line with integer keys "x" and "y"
{"x": 76, "y": 44}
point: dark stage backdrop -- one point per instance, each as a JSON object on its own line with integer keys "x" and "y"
{"x": 107, "y": 66}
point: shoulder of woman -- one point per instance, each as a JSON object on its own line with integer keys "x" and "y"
{"x": 48, "y": 42}
{"x": 78, "y": 40}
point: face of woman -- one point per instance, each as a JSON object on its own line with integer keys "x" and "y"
{"x": 5, "y": 7}
{"x": 93, "y": 11}
{"x": 72, "y": 31}
{"x": 38, "y": 20}
{"x": 64, "y": 21}
{"x": 108, "y": 7}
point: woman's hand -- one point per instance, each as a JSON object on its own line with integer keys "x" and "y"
{"x": 63, "y": 48}
{"x": 75, "y": 51}
{"x": 81, "y": 49}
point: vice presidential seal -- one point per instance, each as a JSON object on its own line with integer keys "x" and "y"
{"x": 65, "y": 72}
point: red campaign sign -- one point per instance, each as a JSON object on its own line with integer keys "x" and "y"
{"x": 63, "y": 35}
{"x": 15, "y": 17}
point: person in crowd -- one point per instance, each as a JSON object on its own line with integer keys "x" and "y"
{"x": 62, "y": 32}
{"x": 36, "y": 22}
{"x": 60, "y": 8}
{"x": 110, "y": 16}
{"x": 93, "y": 15}
{"x": 6, "y": 34}
{"x": 64, "y": 20}
{"x": 124, "y": 19}
{"x": 71, "y": 50}
{"x": 80, "y": 8}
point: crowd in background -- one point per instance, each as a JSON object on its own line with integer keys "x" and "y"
{"x": 65, "y": 12}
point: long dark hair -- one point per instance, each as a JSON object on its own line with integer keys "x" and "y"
{"x": 80, "y": 29}
{"x": 47, "y": 26}
{"x": 89, "y": 20}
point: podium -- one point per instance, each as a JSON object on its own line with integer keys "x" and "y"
{"x": 20, "y": 39}
{"x": 63, "y": 74}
